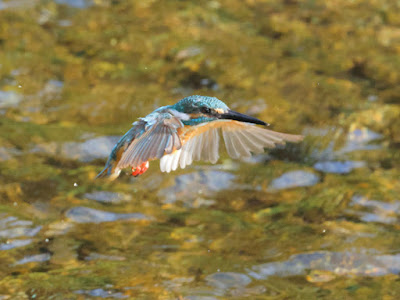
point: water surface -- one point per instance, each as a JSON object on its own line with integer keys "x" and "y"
{"x": 314, "y": 220}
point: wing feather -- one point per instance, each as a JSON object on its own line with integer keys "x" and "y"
{"x": 163, "y": 141}
{"x": 238, "y": 144}
{"x": 232, "y": 152}
{"x": 214, "y": 146}
{"x": 170, "y": 145}
{"x": 201, "y": 142}
{"x": 197, "y": 148}
{"x": 254, "y": 144}
{"x": 160, "y": 137}
{"x": 154, "y": 149}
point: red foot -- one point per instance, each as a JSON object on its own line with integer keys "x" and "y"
{"x": 140, "y": 169}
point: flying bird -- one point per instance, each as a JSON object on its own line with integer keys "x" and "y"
{"x": 188, "y": 131}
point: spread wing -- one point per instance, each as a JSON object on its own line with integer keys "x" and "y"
{"x": 201, "y": 142}
{"x": 159, "y": 137}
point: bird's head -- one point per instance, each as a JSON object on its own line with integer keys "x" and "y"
{"x": 201, "y": 109}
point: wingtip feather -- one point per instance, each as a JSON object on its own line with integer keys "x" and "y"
{"x": 108, "y": 173}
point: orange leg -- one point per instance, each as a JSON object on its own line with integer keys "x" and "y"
{"x": 140, "y": 169}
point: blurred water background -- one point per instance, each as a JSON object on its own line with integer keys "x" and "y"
{"x": 318, "y": 220}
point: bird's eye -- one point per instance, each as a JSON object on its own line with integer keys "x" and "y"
{"x": 205, "y": 110}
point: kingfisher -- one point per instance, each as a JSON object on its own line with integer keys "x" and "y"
{"x": 188, "y": 131}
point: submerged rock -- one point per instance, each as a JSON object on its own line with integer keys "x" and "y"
{"x": 376, "y": 211}
{"x": 339, "y": 167}
{"x": 11, "y": 227}
{"x": 107, "y": 197}
{"x": 294, "y": 179}
{"x": 14, "y": 244}
{"x": 51, "y": 90}
{"x": 89, "y": 150}
{"x": 227, "y": 280}
{"x": 19, "y": 231}
{"x": 34, "y": 258}
{"x": 82, "y": 214}
{"x": 9, "y": 99}
{"x": 98, "y": 256}
{"x": 202, "y": 184}
{"x": 76, "y": 3}
{"x": 8, "y": 153}
{"x": 101, "y": 293}
{"x": 339, "y": 263}
{"x": 359, "y": 139}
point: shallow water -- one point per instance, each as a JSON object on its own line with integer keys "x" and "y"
{"x": 314, "y": 220}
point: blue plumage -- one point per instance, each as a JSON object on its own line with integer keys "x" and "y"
{"x": 192, "y": 104}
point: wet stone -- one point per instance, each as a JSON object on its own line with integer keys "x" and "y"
{"x": 356, "y": 140}
{"x": 15, "y": 4}
{"x": 339, "y": 167}
{"x": 227, "y": 280}
{"x": 359, "y": 139}
{"x": 376, "y": 211}
{"x": 200, "y": 298}
{"x": 188, "y": 52}
{"x": 101, "y": 293}
{"x": 34, "y": 258}
{"x": 82, "y": 214}
{"x": 6, "y": 220}
{"x": 391, "y": 261}
{"x": 19, "y": 232}
{"x": 14, "y": 244}
{"x": 59, "y": 228}
{"x": 339, "y": 263}
{"x": 89, "y": 150}
{"x": 96, "y": 148}
{"x": 76, "y": 3}
{"x": 9, "y": 99}
{"x": 177, "y": 282}
{"x": 12, "y": 227}
{"x": 98, "y": 256}
{"x": 294, "y": 179}
{"x": 107, "y": 197}
{"x": 8, "y": 153}
{"x": 202, "y": 184}
{"x": 20, "y": 223}
{"x": 47, "y": 148}
{"x": 51, "y": 90}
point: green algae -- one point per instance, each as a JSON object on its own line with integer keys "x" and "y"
{"x": 332, "y": 67}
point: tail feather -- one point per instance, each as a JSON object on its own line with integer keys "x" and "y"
{"x": 109, "y": 173}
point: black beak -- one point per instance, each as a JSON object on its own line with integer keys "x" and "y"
{"x": 233, "y": 115}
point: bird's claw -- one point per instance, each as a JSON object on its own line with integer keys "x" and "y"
{"x": 140, "y": 169}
